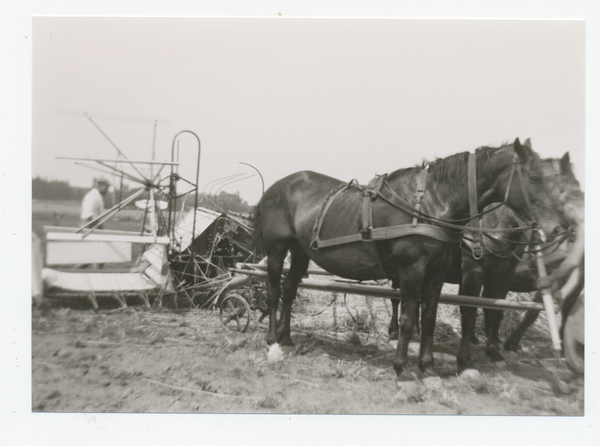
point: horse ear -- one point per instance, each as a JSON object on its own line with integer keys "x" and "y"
{"x": 527, "y": 143}
{"x": 565, "y": 162}
{"x": 521, "y": 150}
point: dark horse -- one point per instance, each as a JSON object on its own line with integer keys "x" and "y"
{"x": 306, "y": 207}
{"x": 506, "y": 266}
{"x": 500, "y": 269}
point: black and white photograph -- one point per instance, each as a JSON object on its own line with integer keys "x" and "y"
{"x": 308, "y": 215}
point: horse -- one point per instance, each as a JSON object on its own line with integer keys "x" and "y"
{"x": 569, "y": 283}
{"x": 374, "y": 232}
{"x": 499, "y": 269}
{"x": 507, "y": 266}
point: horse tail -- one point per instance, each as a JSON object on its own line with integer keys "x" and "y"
{"x": 257, "y": 236}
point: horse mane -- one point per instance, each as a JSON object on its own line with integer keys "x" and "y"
{"x": 452, "y": 170}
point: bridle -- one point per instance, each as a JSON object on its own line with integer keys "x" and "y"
{"x": 456, "y": 224}
{"x": 475, "y": 221}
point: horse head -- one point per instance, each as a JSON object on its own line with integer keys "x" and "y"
{"x": 517, "y": 179}
{"x": 565, "y": 189}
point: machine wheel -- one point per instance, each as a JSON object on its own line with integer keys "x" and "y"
{"x": 234, "y": 312}
{"x": 573, "y": 336}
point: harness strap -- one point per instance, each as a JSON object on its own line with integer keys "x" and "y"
{"x": 325, "y": 207}
{"x": 369, "y": 195}
{"x": 475, "y": 221}
{"x": 421, "y": 183}
{"x": 391, "y": 232}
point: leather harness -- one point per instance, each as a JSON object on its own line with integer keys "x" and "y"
{"x": 444, "y": 232}
{"x": 370, "y": 234}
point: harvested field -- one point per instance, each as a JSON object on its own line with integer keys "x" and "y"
{"x": 184, "y": 361}
{"x": 139, "y": 360}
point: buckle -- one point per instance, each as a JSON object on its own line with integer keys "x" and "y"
{"x": 367, "y": 234}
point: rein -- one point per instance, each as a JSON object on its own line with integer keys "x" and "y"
{"x": 441, "y": 229}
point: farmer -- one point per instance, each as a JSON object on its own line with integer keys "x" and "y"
{"x": 93, "y": 202}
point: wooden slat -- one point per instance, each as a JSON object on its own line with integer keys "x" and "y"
{"x": 96, "y": 281}
{"x": 71, "y": 252}
{"x": 96, "y": 231}
{"x": 93, "y": 237}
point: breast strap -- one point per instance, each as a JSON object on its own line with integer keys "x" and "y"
{"x": 370, "y": 234}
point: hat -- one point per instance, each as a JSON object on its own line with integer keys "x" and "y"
{"x": 102, "y": 180}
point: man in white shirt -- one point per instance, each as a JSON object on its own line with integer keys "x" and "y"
{"x": 93, "y": 202}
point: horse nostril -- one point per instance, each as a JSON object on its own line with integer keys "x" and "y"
{"x": 557, "y": 230}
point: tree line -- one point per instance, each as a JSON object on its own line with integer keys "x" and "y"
{"x": 44, "y": 189}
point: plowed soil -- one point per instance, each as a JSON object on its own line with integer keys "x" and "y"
{"x": 141, "y": 360}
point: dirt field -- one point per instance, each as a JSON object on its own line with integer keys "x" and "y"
{"x": 185, "y": 361}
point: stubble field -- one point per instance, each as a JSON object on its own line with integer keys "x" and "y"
{"x": 183, "y": 360}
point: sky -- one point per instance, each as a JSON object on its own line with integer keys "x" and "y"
{"x": 350, "y": 98}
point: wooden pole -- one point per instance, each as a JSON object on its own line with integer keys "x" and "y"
{"x": 547, "y": 300}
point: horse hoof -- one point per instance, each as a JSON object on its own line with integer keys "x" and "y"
{"x": 464, "y": 364}
{"x": 278, "y": 352}
{"x": 495, "y": 355}
{"x": 428, "y": 372}
{"x": 470, "y": 374}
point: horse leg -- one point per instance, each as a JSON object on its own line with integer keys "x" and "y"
{"x": 298, "y": 269}
{"x": 394, "y": 327}
{"x": 470, "y": 286}
{"x": 430, "y": 298}
{"x": 496, "y": 288}
{"x": 410, "y": 288}
{"x": 514, "y": 338}
{"x": 275, "y": 258}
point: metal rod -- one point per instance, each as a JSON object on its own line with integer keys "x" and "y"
{"x": 171, "y": 225}
{"x": 219, "y": 181}
{"x": 143, "y": 181}
{"x": 153, "y": 151}
{"x": 261, "y": 177}
{"x": 118, "y": 160}
{"x": 227, "y": 184}
{"x": 110, "y": 141}
{"x": 378, "y": 291}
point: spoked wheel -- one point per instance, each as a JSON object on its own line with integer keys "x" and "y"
{"x": 234, "y": 312}
{"x": 573, "y": 336}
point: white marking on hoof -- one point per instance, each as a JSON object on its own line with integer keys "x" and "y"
{"x": 470, "y": 374}
{"x": 413, "y": 348}
{"x": 277, "y": 352}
